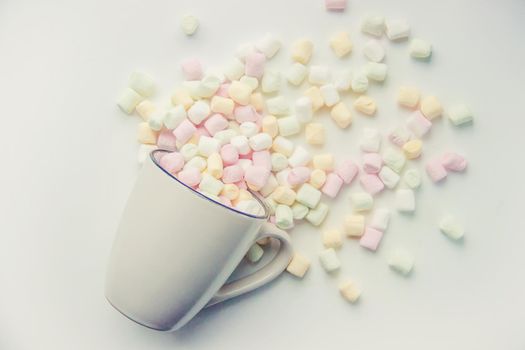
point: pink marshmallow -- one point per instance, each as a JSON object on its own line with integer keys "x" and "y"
{"x": 435, "y": 170}
{"x": 184, "y": 131}
{"x": 232, "y": 174}
{"x": 167, "y": 140}
{"x": 172, "y": 162}
{"x": 192, "y": 69}
{"x": 372, "y": 163}
{"x": 263, "y": 159}
{"x": 371, "y": 238}
{"x": 254, "y": 65}
{"x": 371, "y": 183}
{"x": 335, "y": 5}
{"x": 418, "y": 124}
{"x": 248, "y": 155}
{"x": 190, "y": 176}
{"x": 245, "y": 114}
{"x": 256, "y": 177}
{"x": 226, "y": 201}
{"x": 229, "y": 154}
{"x": 332, "y": 186}
{"x": 347, "y": 171}
{"x": 215, "y": 123}
{"x": 201, "y": 131}
{"x": 453, "y": 161}
{"x": 223, "y": 90}
{"x": 298, "y": 176}
{"x": 242, "y": 185}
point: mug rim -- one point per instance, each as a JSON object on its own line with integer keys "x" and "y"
{"x": 261, "y": 202}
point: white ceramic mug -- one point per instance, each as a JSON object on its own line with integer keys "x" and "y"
{"x": 175, "y": 249}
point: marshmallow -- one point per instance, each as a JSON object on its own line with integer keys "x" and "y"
{"x": 397, "y": 29}
{"x": 174, "y": 117}
{"x": 420, "y": 48}
{"x": 189, "y": 24}
{"x": 323, "y": 161}
{"x": 418, "y": 124}
{"x": 365, "y": 104}
{"x": 257, "y": 101}
{"x": 299, "y": 157}
{"x": 359, "y": 83}
{"x": 371, "y": 238}
{"x": 329, "y": 260}
{"x": 269, "y": 125}
{"x": 284, "y": 195}
{"x": 372, "y": 163}
{"x": 343, "y": 80}
{"x": 190, "y": 176}
{"x": 210, "y": 185}
{"x": 144, "y": 109}
{"x": 400, "y": 261}
{"x": 298, "y": 265}
{"x": 192, "y": 69}
{"x": 298, "y": 176}
{"x": 128, "y": 100}
{"x": 240, "y": 92}
{"x": 215, "y": 123}
{"x": 254, "y": 64}
{"x": 252, "y": 82}
{"x": 250, "y": 206}
{"x": 255, "y": 253}
{"x": 193, "y": 88}
{"x": 374, "y": 25}
{"x": 380, "y": 219}
{"x": 260, "y": 141}
{"x": 245, "y": 114}
{"x": 144, "y": 152}
{"x": 142, "y": 83}
{"x": 270, "y": 186}
{"x": 302, "y": 50}
{"x": 256, "y": 177}
{"x": 341, "y": 115}
{"x": 156, "y": 120}
{"x": 209, "y": 86}
{"x": 350, "y": 291}
{"x": 389, "y": 177}
{"x": 317, "y": 215}
{"x": 243, "y": 50}
{"x": 282, "y": 177}
{"x": 341, "y": 44}
{"x": 412, "y": 178}
{"x": 314, "y": 93}
{"x": 208, "y": 145}
{"x": 376, "y": 71}
{"x": 335, "y": 5}
{"x": 362, "y": 201}
{"x": 271, "y": 82}
{"x": 234, "y": 70}
{"x": 299, "y": 211}
{"x": 279, "y": 161}
{"x": 303, "y": 109}
{"x": 249, "y": 129}
{"x": 408, "y": 96}
{"x": 288, "y": 125}
{"x": 196, "y": 162}
{"x": 451, "y": 228}
{"x": 435, "y": 170}
{"x": 188, "y": 151}
{"x": 232, "y": 174}
{"x": 278, "y": 106}
{"x": 283, "y": 217}
{"x": 181, "y": 97}
{"x": 332, "y": 185}
{"x": 308, "y": 195}
{"x": 283, "y": 145}
{"x": 460, "y": 115}
{"x": 374, "y": 51}
{"x": 225, "y": 136}
{"x": 296, "y": 73}
{"x": 399, "y": 136}
{"x": 354, "y": 225}
{"x": 215, "y": 166}
{"x": 145, "y": 134}
{"x": 332, "y": 238}
{"x": 240, "y": 142}
{"x": 223, "y": 90}
{"x": 347, "y": 171}
{"x": 268, "y": 45}
{"x": 198, "y": 112}
{"x": 453, "y": 161}
{"x": 166, "y": 140}
{"x": 314, "y": 133}
{"x": 172, "y": 162}
{"x": 394, "y": 160}
{"x": 319, "y": 75}
{"x": 371, "y": 183}
{"x": 317, "y": 178}
{"x": 431, "y": 107}
{"x": 413, "y": 148}
{"x": 230, "y": 191}
{"x": 370, "y": 140}
{"x": 405, "y": 200}
{"x": 329, "y": 94}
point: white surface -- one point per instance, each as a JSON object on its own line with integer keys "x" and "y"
{"x": 63, "y": 64}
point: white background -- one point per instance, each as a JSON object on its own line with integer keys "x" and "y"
{"x": 68, "y": 158}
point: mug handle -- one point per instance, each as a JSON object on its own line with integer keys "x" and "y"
{"x": 273, "y": 269}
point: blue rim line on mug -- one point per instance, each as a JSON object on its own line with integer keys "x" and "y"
{"x": 261, "y": 202}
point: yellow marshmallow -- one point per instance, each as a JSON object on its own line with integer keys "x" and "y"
{"x": 230, "y": 191}
{"x": 341, "y": 44}
{"x": 240, "y": 92}
{"x": 323, "y": 161}
{"x": 146, "y": 135}
{"x": 302, "y": 51}
{"x": 354, "y": 225}
{"x": 145, "y": 109}
{"x": 365, "y": 104}
{"x": 317, "y": 178}
{"x": 298, "y": 265}
{"x": 413, "y": 148}
{"x": 332, "y": 238}
{"x": 408, "y": 96}
{"x": 181, "y": 97}
{"x": 215, "y": 165}
{"x": 270, "y": 126}
{"x": 430, "y": 107}
{"x": 314, "y": 93}
{"x": 350, "y": 291}
{"x": 244, "y": 195}
{"x": 284, "y": 195}
{"x": 341, "y": 115}
{"x": 222, "y": 105}
{"x": 257, "y": 101}
{"x": 314, "y": 133}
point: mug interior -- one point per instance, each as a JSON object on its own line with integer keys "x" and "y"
{"x": 155, "y": 157}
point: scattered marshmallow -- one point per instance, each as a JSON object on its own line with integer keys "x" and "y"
{"x": 420, "y": 49}
{"x": 145, "y": 108}
{"x": 296, "y": 73}
{"x": 323, "y": 161}
{"x": 269, "y": 45}
{"x": 319, "y": 75}
{"x": 260, "y": 141}
{"x": 431, "y": 107}
{"x": 354, "y": 225}
{"x": 279, "y": 161}
{"x": 317, "y": 178}
{"x": 252, "y": 82}
{"x": 365, "y": 105}
{"x": 146, "y": 135}
{"x": 128, "y": 100}
{"x": 181, "y": 97}
{"x": 241, "y": 143}
{"x": 371, "y": 183}
{"x": 401, "y": 261}
{"x": 283, "y": 145}
{"x": 451, "y": 228}
{"x": 298, "y": 265}
{"x": 249, "y": 129}
{"x": 192, "y": 69}
{"x": 408, "y": 96}
{"x": 142, "y": 83}
{"x": 395, "y": 160}
{"x": 389, "y": 177}
{"x": 399, "y": 136}
{"x": 413, "y": 148}
{"x": 299, "y": 157}
{"x": 234, "y": 70}
{"x": 269, "y": 125}
{"x": 412, "y": 178}
{"x": 435, "y": 170}
{"x": 453, "y": 162}
{"x": 189, "y": 24}
{"x": 289, "y": 125}
{"x": 343, "y": 80}
{"x": 374, "y": 25}
{"x": 240, "y": 92}
{"x": 341, "y": 115}
{"x": 374, "y": 51}
{"x": 347, "y": 170}
{"x": 308, "y": 195}
{"x": 208, "y": 145}
{"x": 460, "y": 115}
{"x": 332, "y": 185}
{"x": 371, "y": 238}
{"x": 405, "y": 200}
{"x": 418, "y": 124}
{"x": 380, "y": 219}
{"x": 284, "y": 217}
{"x": 350, "y": 291}
{"x": 362, "y": 201}
{"x": 315, "y": 96}
{"x": 329, "y": 94}
{"x": 210, "y": 185}
{"x": 370, "y": 140}
{"x": 284, "y": 195}
{"x": 335, "y": 5}
{"x": 397, "y": 29}
{"x": 341, "y": 44}
{"x": 359, "y": 83}
{"x": 189, "y": 151}
{"x": 314, "y": 133}
{"x": 298, "y": 176}
{"x": 332, "y": 239}
{"x": 271, "y": 81}
{"x": 278, "y": 106}
{"x": 302, "y": 50}
{"x": 317, "y": 215}
{"x": 376, "y": 71}
{"x": 372, "y": 163}
{"x": 299, "y": 211}
{"x": 303, "y": 109}
{"x": 174, "y": 117}
{"x": 329, "y": 260}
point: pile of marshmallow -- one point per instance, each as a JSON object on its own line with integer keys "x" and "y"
{"x": 228, "y": 134}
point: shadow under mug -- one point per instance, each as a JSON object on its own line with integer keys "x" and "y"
{"x": 175, "y": 249}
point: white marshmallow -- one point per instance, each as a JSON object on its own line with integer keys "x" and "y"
{"x": 299, "y": 211}
{"x": 210, "y": 185}
{"x": 156, "y": 120}
{"x": 270, "y": 186}
{"x": 192, "y": 87}
{"x": 208, "y": 145}
{"x": 376, "y": 71}
{"x": 283, "y": 217}
{"x": 255, "y": 253}
{"x": 260, "y": 141}
{"x": 289, "y": 125}
{"x": 189, "y": 24}
{"x": 400, "y": 261}
{"x": 208, "y": 86}
{"x": 244, "y": 50}
{"x": 380, "y": 219}
{"x": 460, "y": 114}
{"x": 374, "y": 51}
{"x": 400, "y": 135}
{"x": 240, "y": 142}
{"x": 389, "y": 177}
{"x": 271, "y": 81}
{"x": 319, "y": 75}
{"x": 282, "y": 178}
{"x": 412, "y": 178}
{"x": 405, "y": 200}
{"x": 234, "y": 70}
{"x": 296, "y": 73}
{"x": 330, "y": 94}
{"x": 370, "y": 140}
{"x": 317, "y": 215}
{"x": 362, "y": 201}
{"x": 299, "y": 157}
{"x": 174, "y": 117}
{"x": 450, "y": 227}
{"x": 303, "y": 109}
{"x": 252, "y": 82}
{"x": 279, "y": 161}
{"x": 224, "y": 136}
{"x": 215, "y": 72}
{"x": 343, "y": 80}
{"x": 420, "y": 48}
{"x": 329, "y": 260}
{"x": 397, "y": 29}
{"x": 143, "y": 152}
{"x": 244, "y": 163}
{"x": 360, "y": 83}
{"x": 142, "y": 83}
{"x": 188, "y": 151}
{"x": 196, "y": 162}
{"x": 268, "y": 45}
{"x": 283, "y": 145}
{"x": 248, "y": 129}
{"x": 374, "y": 25}
{"x": 198, "y": 112}
{"x": 278, "y": 105}
{"x": 395, "y": 160}
{"x": 308, "y": 195}
{"x": 128, "y": 100}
